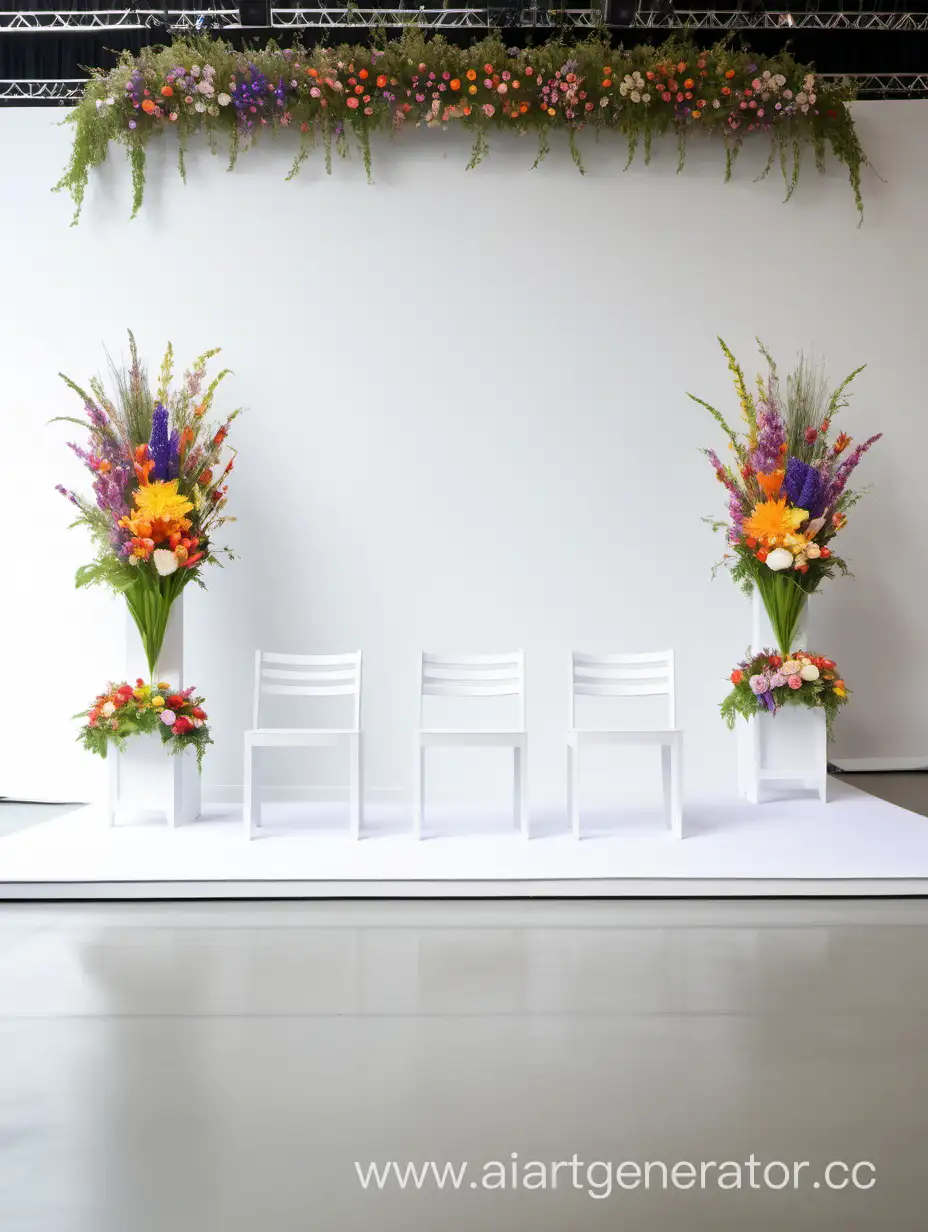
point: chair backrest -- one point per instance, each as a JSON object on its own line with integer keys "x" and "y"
{"x": 308, "y": 676}
{"x": 623, "y": 675}
{"x": 473, "y": 675}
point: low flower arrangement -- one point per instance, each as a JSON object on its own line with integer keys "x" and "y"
{"x": 124, "y": 710}
{"x": 326, "y": 93}
{"x": 765, "y": 682}
{"x": 787, "y": 486}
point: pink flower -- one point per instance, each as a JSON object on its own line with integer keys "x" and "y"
{"x": 666, "y": 96}
{"x": 351, "y": 102}
{"x": 506, "y": 75}
{"x": 502, "y": 88}
{"x": 368, "y": 110}
{"x": 315, "y": 92}
{"x": 420, "y": 98}
{"x": 795, "y": 682}
{"x": 488, "y": 109}
{"x": 488, "y": 83}
{"x": 760, "y": 111}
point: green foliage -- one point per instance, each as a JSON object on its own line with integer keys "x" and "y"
{"x": 319, "y": 93}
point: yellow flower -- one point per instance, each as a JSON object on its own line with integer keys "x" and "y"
{"x": 839, "y": 692}
{"x": 164, "y": 684}
{"x": 141, "y": 693}
{"x": 162, "y": 500}
{"x": 157, "y": 701}
{"x": 772, "y": 521}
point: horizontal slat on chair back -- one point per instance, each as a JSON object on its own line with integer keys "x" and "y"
{"x": 482, "y": 675}
{"x": 311, "y": 675}
{"x": 623, "y": 675}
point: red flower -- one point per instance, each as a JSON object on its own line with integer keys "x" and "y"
{"x": 737, "y": 676}
{"x": 761, "y": 555}
{"x": 775, "y": 660}
{"x": 182, "y": 726}
{"x": 831, "y": 113}
{"x": 175, "y": 700}
{"x": 125, "y": 690}
{"x": 198, "y": 712}
{"x": 825, "y": 553}
{"x": 751, "y": 542}
{"x": 811, "y": 435}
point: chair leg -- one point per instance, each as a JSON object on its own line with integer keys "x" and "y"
{"x": 573, "y": 788}
{"x": 356, "y": 784}
{"x": 672, "y": 766}
{"x": 418, "y": 792}
{"x": 519, "y": 807}
{"x": 251, "y": 809}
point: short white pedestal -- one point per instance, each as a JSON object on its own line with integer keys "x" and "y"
{"x": 145, "y": 776}
{"x": 786, "y": 750}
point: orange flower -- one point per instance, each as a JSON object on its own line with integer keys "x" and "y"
{"x": 730, "y": 74}
{"x": 143, "y": 465}
{"x": 167, "y": 91}
{"x": 148, "y": 106}
{"x": 382, "y": 80}
{"x": 726, "y": 90}
{"x": 104, "y": 467}
{"x": 471, "y": 74}
{"x": 466, "y": 110}
{"x": 313, "y": 72}
{"x": 737, "y": 676}
{"x": 688, "y": 84}
{"x": 841, "y": 443}
{"x": 771, "y": 483}
{"x": 606, "y": 84}
{"x": 186, "y": 438}
{"x": 206, "y": 477}
{"x": 363, "y": 74}
{"x": 359, "y": 89}
{"x": 696, "y": 113}
{"x": 455, "y": 83}
{"x": 471, "y": 89}
{"x": 523, "y": 107}
{"x": 515, "y": 84}
{"x": 681, "y": 67}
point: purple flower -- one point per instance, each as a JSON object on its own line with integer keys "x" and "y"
{"x": 842, "y": 474}
{"x": 163, "y": 446}
{"x": 759, "y": 684}
{"x": 777, "y": 680}
{"x": 767, "y": 699}
{"x": 771, "y": 434}
{"x": 805, "y": 487}
{"x": 64, "y": 492}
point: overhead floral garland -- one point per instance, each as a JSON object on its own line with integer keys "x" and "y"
{"x": 325, "y": 94}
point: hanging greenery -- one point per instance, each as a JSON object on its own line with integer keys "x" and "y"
{"x": 328, "y": 95}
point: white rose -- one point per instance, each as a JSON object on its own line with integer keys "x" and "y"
{"x": 635, "y": 96}
{"x": 165, "y": 561}
{"x": 716, "y": 103}
{"x": 168, "y": 718}
{"x": 646, "y": 98}
{"x": 223, "y": 100}
{"x": 778, "y": 559}
{"x": 813, "y": 551}
{"x": 107, "y": 709}
{"x": 791, "y": 667}
{"x": 809, "y": 672}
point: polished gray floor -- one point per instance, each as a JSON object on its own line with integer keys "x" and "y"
{"x": 221, "y": 1067}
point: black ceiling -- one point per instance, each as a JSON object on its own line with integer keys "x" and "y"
{"x": 64, "y": 54}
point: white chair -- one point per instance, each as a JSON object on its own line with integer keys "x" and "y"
{"x": 626, "y": 675}
{"x": 480, "y": 675}
{"x": 306, "y": 676}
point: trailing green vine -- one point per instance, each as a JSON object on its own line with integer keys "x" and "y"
{"x": 200, "y": 86}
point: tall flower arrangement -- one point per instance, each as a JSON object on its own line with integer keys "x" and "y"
{"x": 159, "y": 476}
{"x": 786, "y": 484}
{"x": 328, "y": 95}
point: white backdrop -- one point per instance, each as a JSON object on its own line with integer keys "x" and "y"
{"x": 467, "y": 425}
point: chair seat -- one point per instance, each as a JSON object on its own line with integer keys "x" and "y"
{"x": 283, "y": 736}
{"x": 622, "y": 735}
{"x": 470, "y": 736}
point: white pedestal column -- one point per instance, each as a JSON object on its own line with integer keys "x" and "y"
{"x": 786, "y": 750}
{"x": 145, "y": 776}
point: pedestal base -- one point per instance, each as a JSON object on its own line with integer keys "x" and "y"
{"x": 785, "y": 750}
{"x": 146, "y": 777}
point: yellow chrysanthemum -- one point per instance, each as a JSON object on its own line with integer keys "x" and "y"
{"x": 161, "y": 501}
{"x": 159, "y": 511}
{"x": 772, "y": 521}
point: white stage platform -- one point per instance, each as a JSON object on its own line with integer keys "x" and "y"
{"x": 854, "y": 845}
